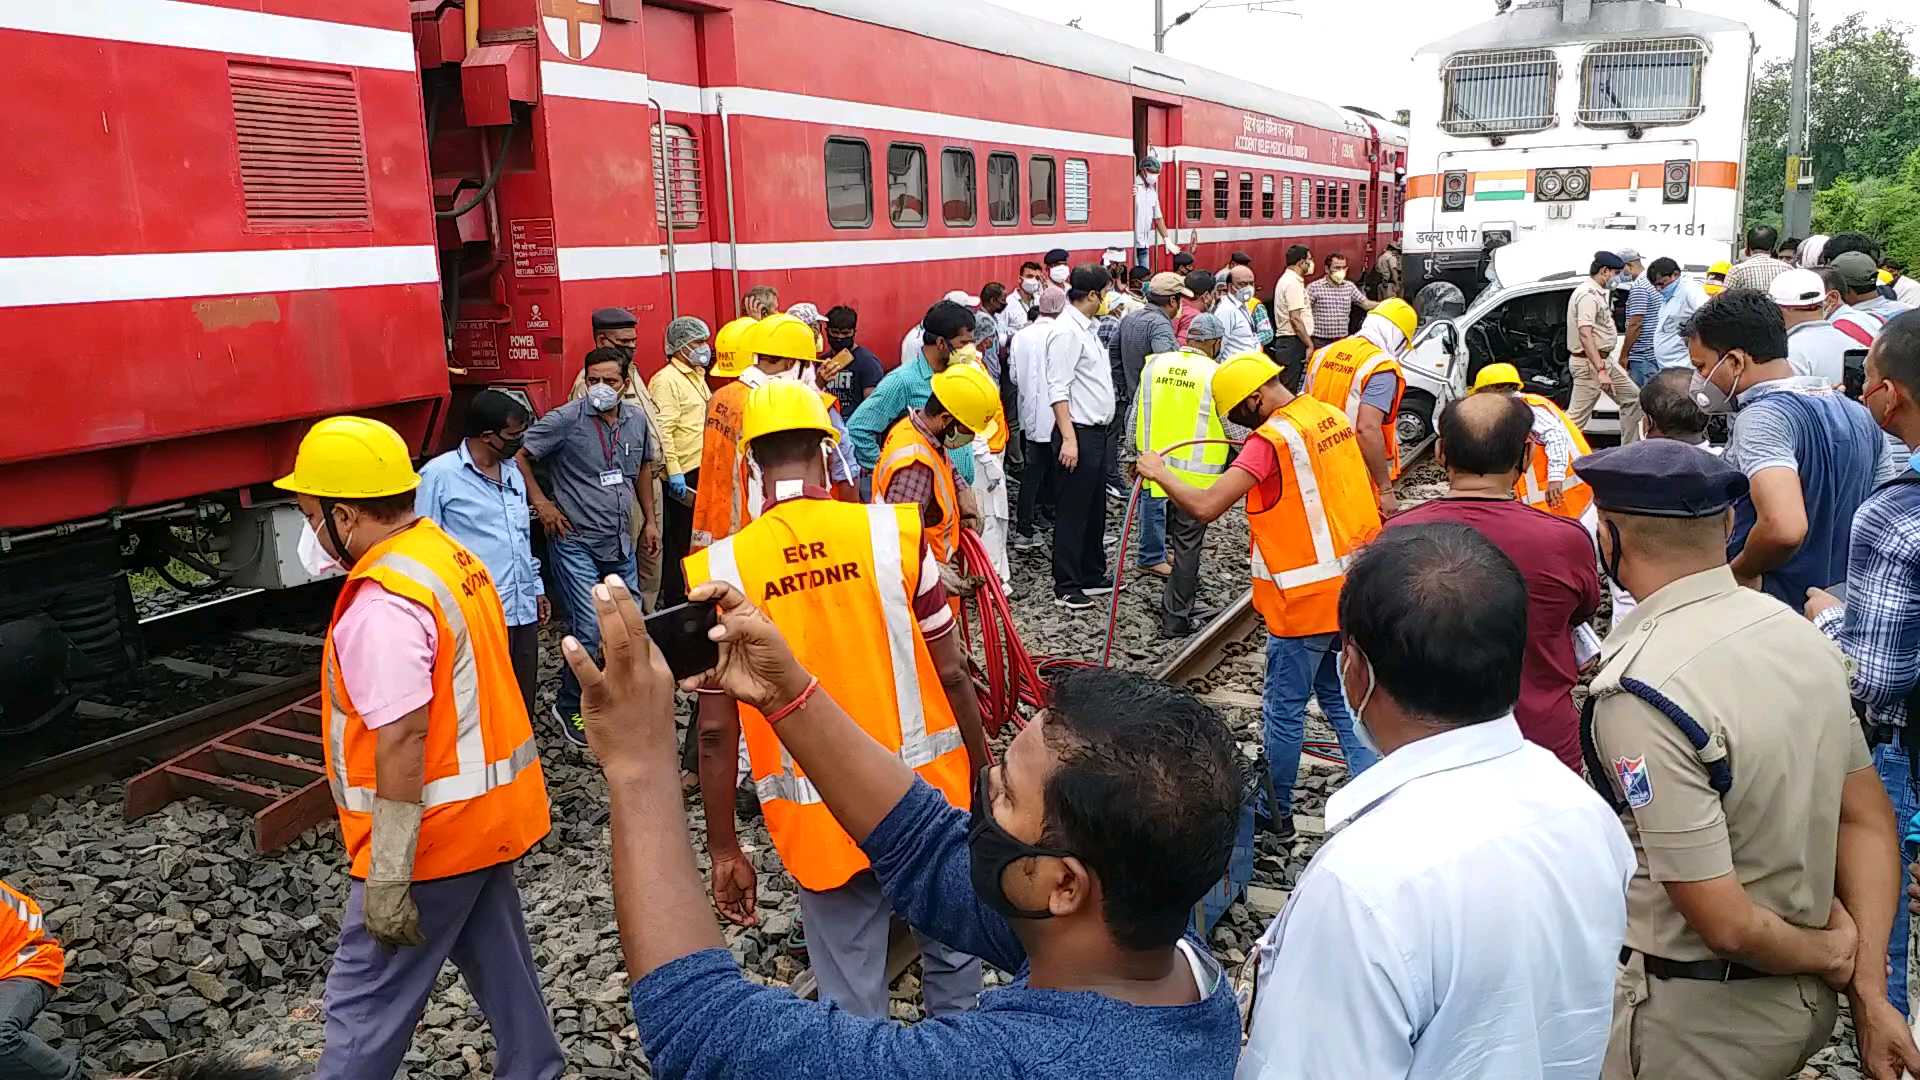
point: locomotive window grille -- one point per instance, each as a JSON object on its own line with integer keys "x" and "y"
{"x": 1640, "y": 83}
{"x": 1319, "y": 198}
{"x": 1222, "y": 194}
{"x": 1266, "y": 197}
{"x": 303, "y": 155}
{"x": 1042, "y": 203}
{"x": 907, "y": 185}
{"x": 957, "y": 194}
{"x": 1196, "y": 195}
{"x": 1286, "y": 198}
{"x": 1075, "y": 190}
{"x": 1003, "y": 189}
{"x": 1246, "y": 195}
{"x": 1498, "y": 92}
{"x": 849, "y": 184}
{"x": 1346, "y": 200}
{"x": 676, "y": 178}
{"x": 1363, "y": 191}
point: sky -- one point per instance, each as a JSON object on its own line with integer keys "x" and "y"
{"x": 1356, "y": 47}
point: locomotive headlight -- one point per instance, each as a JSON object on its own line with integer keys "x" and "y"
{"x": 1579, "y": 183}
{"x": 1550, "y": 183}
{"x": 1677, "y": 182}
{"x": 1453, "y": 192}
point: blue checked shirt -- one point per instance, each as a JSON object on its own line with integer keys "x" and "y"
{"x": 491, "y": 519}
{"x": 1878, "y": 628}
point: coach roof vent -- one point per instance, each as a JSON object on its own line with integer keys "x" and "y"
{"x": 303, "y": 157}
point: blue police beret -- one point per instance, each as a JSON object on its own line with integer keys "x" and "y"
{"x": 1661, "y": 478}
{"x": 612, "y": 318}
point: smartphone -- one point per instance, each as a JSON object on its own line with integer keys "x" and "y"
{"x": 680, "y": 633}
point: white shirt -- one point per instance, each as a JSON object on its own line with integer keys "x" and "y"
{"x": 1906, "y": 290}
{"x": 1462, "y": 921}
{"x": 1078, "y": 371}
{"x": 1817, "y": 348}
{"x": 1239, "y": 337}
{"x": 1146, "y": 207}
{"x": 1013, "y": 317}
{"x": 1669, "y": 337}
{"x": 1027, "y": 358}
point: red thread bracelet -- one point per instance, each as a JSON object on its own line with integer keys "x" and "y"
{"x": 795, "y": 705}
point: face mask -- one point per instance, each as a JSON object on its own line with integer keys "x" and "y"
{"x": 1243, "y": 294}
{"x": 837, "y": 343}
{"x": 807, "y": 375}
{"x": 1671, "y": 287}
{"x": 700, "y": 355}
{"x": 792, "y": 374}
{"x": 1338, "y": 277}
{"x": 1030, "y": 286}
{"x": 601, "y": 397}
{"x": 1059, "y": 274}
{"x": 1244, "y": 416}
{"x": 1309, "y": 272}
{"x": 1360, "y": 729}
{"x": 991, "y": 849}
{"x": 1711, "y": 399}
{"x": 1152, "y": 179}
{"x": 508, "y": 447}
{"x": 957, "y": 437}
{"x": 314, "y": 557}
{"x": 1610, "y": 566}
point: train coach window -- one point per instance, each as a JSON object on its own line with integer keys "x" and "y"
{"x": 1346, "y": 200}
{"x": 1041, "y": 201}
{"x": 1637, "y": 83}
{"x": 1319, "y": 198}
{"x": 1074, "y": 188}
{"x": 1498, "y": 92}
{"x": 676, "y": 177}
{"x": 1003, "y": 189}
{"x": 1196, "y": 196}
{"x": 1246, "y": 195}
{"x": 1266, "y": 196}
{"x": 1221, "y": 194}
{"x": 907, "y": 185}
{"x": 1286, "y": 198}
{"x": 956, "y": 187}
{"x": 849, "y": 184}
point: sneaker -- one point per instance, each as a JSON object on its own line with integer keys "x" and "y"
{"x": 1027, "y": 542}
{"x": 573, "y": 727}
{"x": 1171, "y": 630}
{"x": 1073, "y": 601}
{"x": 1098, "y": 588}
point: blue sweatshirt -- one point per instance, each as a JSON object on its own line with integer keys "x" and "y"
{"x": 699, "y": 1018}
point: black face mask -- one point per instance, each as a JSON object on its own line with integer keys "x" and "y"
{"x": 506, "y": 447}
{"x": 838, "y": 343}
{"x": 1244, "y": 416}
{"x": 991, "y": 849}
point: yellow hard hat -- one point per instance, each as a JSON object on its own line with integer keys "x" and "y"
{"x": 730, "y": 354}
{"x": 1496, "y": 375}
{"x": 351, "y": 457}
{"x": 785, "y": 405}
{"x": 1239, "y": 377}
{"x": 970, "y": 354}
{"x": 969, "y": 394}
{"x": 1723, "y": 268}
{"x": 1886, "y": 277}
{"x": 782, "y": 335}
{"x": 1401, "y": 314}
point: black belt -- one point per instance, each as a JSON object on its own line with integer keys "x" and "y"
{"x": 1697, "y": 970}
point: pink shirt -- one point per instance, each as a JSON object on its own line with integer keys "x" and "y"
{"x": 385, "y": 646}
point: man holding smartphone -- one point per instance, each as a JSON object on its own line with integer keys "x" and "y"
{"x": 857, "y": 591}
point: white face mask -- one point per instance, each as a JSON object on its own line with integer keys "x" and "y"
{"x": 314, "y": 558}
{"x": 700, "y": 356}
{"x": 1059, "y": 274}
{"x": 601, "y": 397}
{"x": 1030, "y": 286}
{"x": 1243, "y": 294}
{"x": 1360, "y": 729}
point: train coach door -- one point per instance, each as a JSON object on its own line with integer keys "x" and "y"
{"x": 1153, "y": 124}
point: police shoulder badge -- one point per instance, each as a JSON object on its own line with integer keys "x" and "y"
{"x": 1636, "y": 786}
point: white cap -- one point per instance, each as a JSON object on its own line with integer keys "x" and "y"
{"x": 1798, "y": 289}
{"x": 962, "y": 297}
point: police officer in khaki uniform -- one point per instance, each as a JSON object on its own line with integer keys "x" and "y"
{"x": 1720, "y": 727}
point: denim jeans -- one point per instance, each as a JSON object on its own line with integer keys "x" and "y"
{"x": 1150, "y": 522}
{"x": 1299, "y": 668}
{"x": 577, "y": 571}
{"x": 1891, "y": 761}
{"x": 1642, "y": 371}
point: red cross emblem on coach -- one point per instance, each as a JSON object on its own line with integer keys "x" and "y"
{"x": 572, "y": 25}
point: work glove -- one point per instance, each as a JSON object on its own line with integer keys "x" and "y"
{"x": 677, "y": 488}
{"x": 957, "y": 583}
{"x": 389, "y": 911}
{"x": 1172, "y": 248}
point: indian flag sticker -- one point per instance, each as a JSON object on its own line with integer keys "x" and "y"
{"x": 1499, "y": 186}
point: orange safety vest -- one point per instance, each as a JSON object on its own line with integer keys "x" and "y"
{"x": 485, "y": 799}
{"x": 1338, "y": 375}
{"x": 27, "y": 951}
{"x": 905, "y": 446}
{"x": 1531, "y": 488}
{"x": 839, "y": 579}
{"x": 1327, "y": 509}
{"x": 718, "y": 510}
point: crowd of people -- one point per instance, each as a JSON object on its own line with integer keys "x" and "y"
{"x": 1679, "y": 880}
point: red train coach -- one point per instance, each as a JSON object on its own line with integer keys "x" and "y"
{"x": 239, "y": 215}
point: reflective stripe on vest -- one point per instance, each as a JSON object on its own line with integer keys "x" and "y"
{"x": 1205, "y": 424}
{"x": 476, "y": 775}
{"x": 914, "y": 448}
{"x": 24, "y": 910}
{"x": 1327, "y": 562}
{"x": 917, "y": 747}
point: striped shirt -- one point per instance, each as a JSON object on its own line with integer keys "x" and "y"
{"x": 1332, "y": 307}
{"x": 1644, "y": 301}
{"x": 1878, "y": 628}
{"x": 1756, "y": 271}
